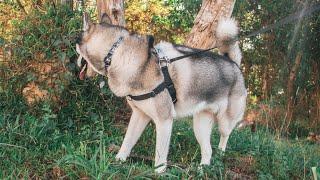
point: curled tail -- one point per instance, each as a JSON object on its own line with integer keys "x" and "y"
{"x": 226, "y": 33}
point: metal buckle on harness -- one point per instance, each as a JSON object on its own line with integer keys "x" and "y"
{"x": 164, "y": 61}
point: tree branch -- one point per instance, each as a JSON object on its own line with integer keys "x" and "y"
{"x": 21, "y": 7}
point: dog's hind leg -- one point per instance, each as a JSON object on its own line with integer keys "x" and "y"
{"x": 229, "y": 117}
{"x": 137, "y": 124}
{"x": 163, "y": 128}
{"x": 202, "y": 126}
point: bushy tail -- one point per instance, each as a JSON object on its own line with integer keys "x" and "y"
{"x": 226, "y": 33}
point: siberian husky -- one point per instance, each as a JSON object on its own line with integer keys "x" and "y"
{"x": 208, "y": 86}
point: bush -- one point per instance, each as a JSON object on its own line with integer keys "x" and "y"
{"x": 48, "y": 34}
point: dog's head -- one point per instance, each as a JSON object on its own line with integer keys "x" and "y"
{"x": 93, "y": 44}
{"x": 97, "y": 39}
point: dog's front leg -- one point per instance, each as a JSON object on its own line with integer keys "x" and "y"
{"x": 163, "y": 128}
{"x": 137, "y": 124}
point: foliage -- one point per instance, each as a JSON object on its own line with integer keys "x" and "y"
{"x": 51, "y": 36}
{"x": 167, "y": 20}
{"x": 140, "y": 15}
{"x": 8, "y": 14}
{"x": 269, "y": 58}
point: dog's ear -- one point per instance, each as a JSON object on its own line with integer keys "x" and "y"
{"x": 150, "y": 40}
{"x": 86, "y": 21}
{"x": 105, "y": 19}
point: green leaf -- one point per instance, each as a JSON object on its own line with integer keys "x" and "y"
{"x": 62, "y": 56}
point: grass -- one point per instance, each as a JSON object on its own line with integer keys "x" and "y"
{"x": 79, "y": 140}
{"x": 78, "y": 136}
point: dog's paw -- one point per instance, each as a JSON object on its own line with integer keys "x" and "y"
{"x": 205, "y": 162}
{"x": 121, "y": 157}
{"x": 160, "y": 169}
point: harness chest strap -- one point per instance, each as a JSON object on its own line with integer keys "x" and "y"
{"x": 167, "y": 84}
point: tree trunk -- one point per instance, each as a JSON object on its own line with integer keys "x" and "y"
{"x": 114, "y": 9}
{"x": 314, "y": 102}
{"x": 265, "y": 80}
{"x": 22, "y": 7}
{"x": 202, "y": 34}
{"x": 290, "y": 88}
{"x": 68, "y": 3}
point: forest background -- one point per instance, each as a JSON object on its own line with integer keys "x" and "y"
{"x": 53, "y": 125}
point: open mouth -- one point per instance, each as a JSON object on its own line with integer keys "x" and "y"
{"x": 82, "y": 63}
{"x": 83, "y": 66}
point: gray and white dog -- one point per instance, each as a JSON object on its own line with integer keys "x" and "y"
{"x": 208, "y": 86}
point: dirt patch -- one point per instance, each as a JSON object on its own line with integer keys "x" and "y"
{"x": 45, "y": 84}
{"x": 33, "y": 93}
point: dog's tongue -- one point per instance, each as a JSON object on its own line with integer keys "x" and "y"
{"x": 82, "y": 73}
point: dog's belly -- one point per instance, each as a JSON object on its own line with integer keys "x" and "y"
{"x": 188, "y": 108}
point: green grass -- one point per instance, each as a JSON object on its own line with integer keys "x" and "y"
{"x": 73, "y": 138}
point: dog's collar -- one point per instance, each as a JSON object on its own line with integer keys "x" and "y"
{"x": 107, "y": 59}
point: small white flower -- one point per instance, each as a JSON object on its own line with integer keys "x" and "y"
{"x": 102, "y": 84}
{"x": 281, "y": 91}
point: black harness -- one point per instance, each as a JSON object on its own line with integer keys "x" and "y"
{"x": 163, "y": 63}
{"x": 166, "y": 84}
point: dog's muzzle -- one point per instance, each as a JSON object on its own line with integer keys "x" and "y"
{"x": 83, "y": 66}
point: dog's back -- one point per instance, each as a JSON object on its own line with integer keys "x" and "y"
{"x": 204, "y": 80}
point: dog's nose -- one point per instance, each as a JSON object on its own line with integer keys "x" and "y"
{"x": 79, "y": 38}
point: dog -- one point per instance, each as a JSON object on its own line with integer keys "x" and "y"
{"x": 208, "y": 86}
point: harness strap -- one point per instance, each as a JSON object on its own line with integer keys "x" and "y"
{"x": 191, "y": 54}
{"x": 151, "y": 94}
{"x": 169, "y": 83}
{"x": 166, "y": 84}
